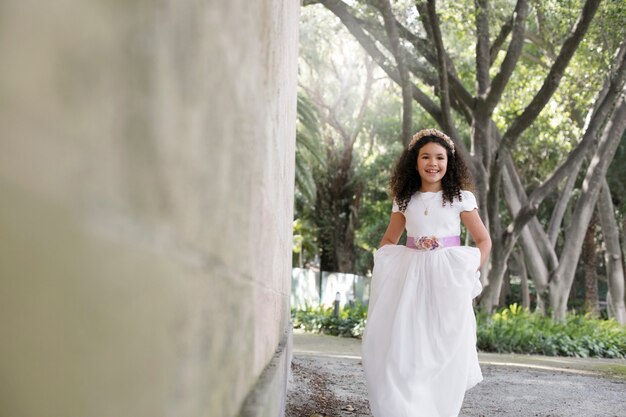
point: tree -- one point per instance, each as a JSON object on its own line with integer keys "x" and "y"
{"x": 308, "y": 150}
{"x": 613, "y": 254}
{"x": 348, "y": 80}
{"x": 308, "y": 156}
{"x": 431, "y": 64}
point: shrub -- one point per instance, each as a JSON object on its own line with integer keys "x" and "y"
{"x": 512, "y": 329}
{"x": 350, "y": 322}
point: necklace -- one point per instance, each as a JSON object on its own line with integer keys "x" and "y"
{"x": 426, "y": 207}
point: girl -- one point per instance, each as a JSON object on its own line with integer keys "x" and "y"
{"x": 419, "y": 346}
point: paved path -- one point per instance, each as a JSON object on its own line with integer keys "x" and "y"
{"x": 327, "y": 380}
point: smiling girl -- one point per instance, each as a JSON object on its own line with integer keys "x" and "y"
{"x": 419, "y": 346}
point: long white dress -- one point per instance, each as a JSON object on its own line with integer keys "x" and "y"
{"x": 419, "y": 346}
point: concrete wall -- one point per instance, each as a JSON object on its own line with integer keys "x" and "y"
{"x": 146, "y": 181}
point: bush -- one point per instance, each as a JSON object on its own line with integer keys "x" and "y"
{"x": 350, "y": 323}
{"x": 512, "y": 329}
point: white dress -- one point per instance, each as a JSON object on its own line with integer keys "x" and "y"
{"x": 419, "y": 345}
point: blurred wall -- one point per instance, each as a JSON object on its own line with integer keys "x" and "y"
{"x": 146, "y": 193}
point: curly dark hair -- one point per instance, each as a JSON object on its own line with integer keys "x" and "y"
{"x": 405, "y": 180}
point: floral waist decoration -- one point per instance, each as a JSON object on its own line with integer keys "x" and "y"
{"x": 426, "y": 243}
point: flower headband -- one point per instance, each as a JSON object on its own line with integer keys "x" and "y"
{"x": 432, "y": 132}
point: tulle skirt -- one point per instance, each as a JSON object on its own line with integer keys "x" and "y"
{"x": 419, "y": 345}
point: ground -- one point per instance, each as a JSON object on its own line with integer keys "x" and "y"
{"x": 327, "y": 381}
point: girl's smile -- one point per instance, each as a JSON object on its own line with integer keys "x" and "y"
{"x": 432, "y": 163}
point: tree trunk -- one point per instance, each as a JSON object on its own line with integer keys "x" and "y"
{"x": 535, "y": 261}
{"x": 339, "y": 193}
{"x": 589, "y": 258}
{"x": 607, "y": 100}
{"x": 506, "y": 288}
{"x": 405, "y": 81}
{"x": 563, "y": 277}
{"x": 613, "y": 255}
{"x": 490, "y": 299}
{"x": 336, "y": 213}
{"x": 523, "y": 272}
{"x": 559, "y": 209}
{"x": 623, "y": 252}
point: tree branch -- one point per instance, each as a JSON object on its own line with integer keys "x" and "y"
{"x": 379, "y": 34}
{"x": 464, "y": 100}
{"x": 559, "y": 209}
{"x": 341, "y": 10}
{"x": 461, "y": 101}
{"x": 598, "y": 115}
{"x": 547, "y": 47}
{"x": 607, "y": 97}
{"x": 497, "y": 43}
{"x": 512, "y": 56}
{"x": 405, "y": 82}
{"x": 611, "y": 136}
{"x": 611, "y": 92}
{"x": 544, "y": 47}
{"x": 444, "y": 89}
{"x": 554, "y": 77}
{"x": 367, "y": 92}
{"x": 482, "y": 48}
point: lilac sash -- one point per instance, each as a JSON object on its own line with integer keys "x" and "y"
{"x": 432, "y": 242}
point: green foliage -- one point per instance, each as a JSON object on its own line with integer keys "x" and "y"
{"x": 308, "y": 155}
{"x": 559, "y": 127}
{"x": 349, "y": 323}
{"x": 304, "y": 242}
{"x": 308, "y": 149}
{"x": 374, "y": 169}
{"x": 332, "y": 60}
{"x": 512, "y": 329}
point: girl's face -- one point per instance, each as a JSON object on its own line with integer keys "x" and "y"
{"x": 432, "y": 162}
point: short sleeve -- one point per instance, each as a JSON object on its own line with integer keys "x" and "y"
{"x": 395, "y": 208}
{"x": 469, "y": 201}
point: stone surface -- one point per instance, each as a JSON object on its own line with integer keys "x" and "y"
{"x": 146, "y": 200}
{"x": 328, "y": 380}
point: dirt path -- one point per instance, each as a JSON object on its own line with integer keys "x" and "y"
{"x": 327, "y": 380}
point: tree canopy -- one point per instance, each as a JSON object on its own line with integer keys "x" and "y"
{"x": 533, "y": 94}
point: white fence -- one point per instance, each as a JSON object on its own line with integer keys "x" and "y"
{"x": 307, "y": 289}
